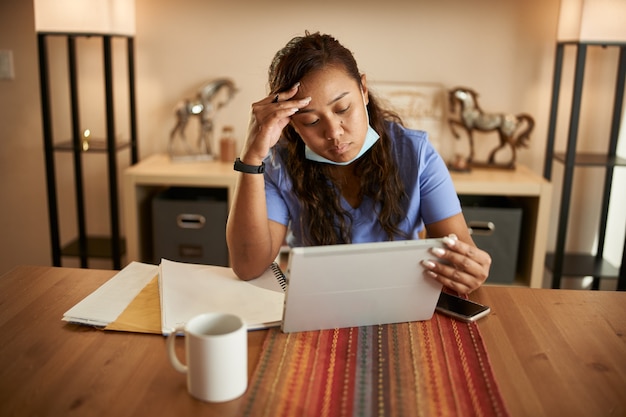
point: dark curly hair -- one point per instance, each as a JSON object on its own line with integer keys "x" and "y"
{"x": 324, "y": 220}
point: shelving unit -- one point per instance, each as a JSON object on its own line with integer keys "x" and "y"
{"x": 578, "y": 264}
{"x": 86, "y": 246}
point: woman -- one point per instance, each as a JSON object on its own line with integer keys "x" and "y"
{"x": 324, "y": 162}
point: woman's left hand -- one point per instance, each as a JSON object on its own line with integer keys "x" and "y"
{"x": 460, "y": 266}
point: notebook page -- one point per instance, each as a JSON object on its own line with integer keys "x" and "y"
{"x": 190, "y": 289}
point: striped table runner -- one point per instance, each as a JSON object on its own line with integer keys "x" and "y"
{"x": 432, "y": 368}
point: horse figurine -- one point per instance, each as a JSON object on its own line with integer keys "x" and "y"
{"x": 473, "y": 118}
{"x": 210, "y": 98}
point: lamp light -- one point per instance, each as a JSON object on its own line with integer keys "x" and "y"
{"x": 592, "y": 21}
{"x": 115, "y": 17}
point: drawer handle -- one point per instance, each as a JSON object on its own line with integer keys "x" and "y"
{"x": 190, "y": 251}
{"x": 481, "y": 228}
{"x": 190, "y": 221}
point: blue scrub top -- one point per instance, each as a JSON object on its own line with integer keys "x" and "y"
{"x": 427, "y": 182}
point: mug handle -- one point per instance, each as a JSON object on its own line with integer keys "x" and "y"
{"x": 171, "y": 352}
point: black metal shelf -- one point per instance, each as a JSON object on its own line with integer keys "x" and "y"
{"x": 96, "y": 247}
{"x": 592, "y": 159}
{"x": 568, "y": 264}
{"x": 94, "y": 145}
{"x": 583, "y": 265}
{"x": 85, "y": 246}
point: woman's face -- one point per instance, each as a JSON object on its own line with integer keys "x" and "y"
{"x": 335, "y": 123}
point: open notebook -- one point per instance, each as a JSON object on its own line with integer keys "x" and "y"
{"x": 190, "y": 289}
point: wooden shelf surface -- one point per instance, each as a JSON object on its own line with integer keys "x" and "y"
{"x": 520, "y": 181}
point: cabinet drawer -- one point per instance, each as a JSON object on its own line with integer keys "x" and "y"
{"x": 189, "y": 225}
{"x": 495, "y": 225}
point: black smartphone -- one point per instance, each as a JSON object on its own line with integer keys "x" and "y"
{"x": 460, "y": 308}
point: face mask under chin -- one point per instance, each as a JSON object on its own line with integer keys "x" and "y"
{"x": 370, "y": 139}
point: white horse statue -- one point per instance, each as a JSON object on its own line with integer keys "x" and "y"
{"x": 210, "y": 98}
{"x": 473, "y": 118}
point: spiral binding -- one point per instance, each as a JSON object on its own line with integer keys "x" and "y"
{"x": 280, "y": 276}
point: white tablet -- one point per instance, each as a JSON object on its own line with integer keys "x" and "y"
{"x": 362, "y": 284}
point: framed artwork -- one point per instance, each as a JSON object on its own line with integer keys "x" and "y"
{"x": 420, "y": 105}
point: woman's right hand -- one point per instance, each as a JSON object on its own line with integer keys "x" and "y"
{"x": 268, "y": 119}
{"x": 253, "y": 239}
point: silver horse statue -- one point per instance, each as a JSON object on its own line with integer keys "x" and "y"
{"x": 210, "y": 98}
{"x": 513, "y": 130}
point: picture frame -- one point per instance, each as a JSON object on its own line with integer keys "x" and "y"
{"x": 420, "y": 105}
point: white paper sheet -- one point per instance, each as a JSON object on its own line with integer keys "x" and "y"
{"x": 187, "y": 290}
{"x": 104, "y": 305}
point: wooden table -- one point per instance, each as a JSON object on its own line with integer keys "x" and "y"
{"x": 554, "y": 353}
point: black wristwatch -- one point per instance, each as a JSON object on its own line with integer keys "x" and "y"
{"x": 249, "y": 169}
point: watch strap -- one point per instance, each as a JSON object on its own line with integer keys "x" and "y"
{"x": 249, "y": 169}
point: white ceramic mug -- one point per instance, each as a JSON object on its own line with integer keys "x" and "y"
{"x": 216, "y": 346}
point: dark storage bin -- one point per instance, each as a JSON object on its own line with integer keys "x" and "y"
{"x": 189, "y": 225}
{"x": 495, "y": 224}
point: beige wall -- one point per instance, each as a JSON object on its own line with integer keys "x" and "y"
{"x": 503, "y": 49}
{"x": 481, "y": 44}
{"x": 23, "y": 213}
